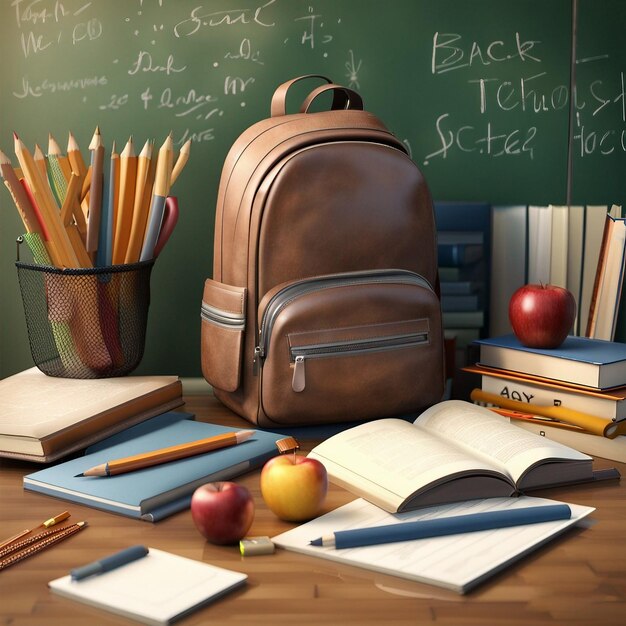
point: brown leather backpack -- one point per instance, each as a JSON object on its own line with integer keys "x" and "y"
{"x": 322, "y": 306}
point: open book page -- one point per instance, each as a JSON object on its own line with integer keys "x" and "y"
{"x": 457, "y": 562}
{"x": 484, "y": 434}
{"x": 387, "y": 460}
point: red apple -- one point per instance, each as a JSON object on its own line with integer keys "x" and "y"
{"x": 222, "y": 512}
{"x": 294, "y": 487}
{"x": 542, "y": 315}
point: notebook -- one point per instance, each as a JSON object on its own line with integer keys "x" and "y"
{"x": 159, "y": 491}
{"x": 157, "y": 589}
{"x": 457, "y": 562}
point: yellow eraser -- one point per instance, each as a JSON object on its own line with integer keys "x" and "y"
{"x": 253, "y": 546}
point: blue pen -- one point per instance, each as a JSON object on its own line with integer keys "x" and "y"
{"x": 421, "y": 529}
{"x": 109, "y": 563}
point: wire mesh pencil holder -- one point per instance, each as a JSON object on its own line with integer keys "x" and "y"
{"x": 86, "y": 323}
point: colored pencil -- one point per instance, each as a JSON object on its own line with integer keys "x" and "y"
{"x": 95, "y": 193}
{"x": 161, "y": 189}
{"x": 140, "y": 213}
{"x": 181, "y": 161}
{"x": 165, "y": 455}
{"x": 124, "y": 215}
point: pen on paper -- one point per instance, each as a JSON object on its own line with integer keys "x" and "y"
{"x": 439, "y": 527}
{"x": 165, "y": 455}
{"x": 109, "y": 563}
{"x": 47, "y": 524}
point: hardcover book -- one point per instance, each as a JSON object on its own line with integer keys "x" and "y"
{"x": 43, "y": 418}
{"x": 609, "y": 404}
{"x": 154, "y": 492}
{"x": 578, "y": 360}
{"x": 453, "y": 451}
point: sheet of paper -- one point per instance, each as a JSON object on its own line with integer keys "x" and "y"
{"x": 155, "y": 589}
{"x": 457, "y": 562}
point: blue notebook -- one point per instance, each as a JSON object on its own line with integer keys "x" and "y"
{"x": 154, "y": 492}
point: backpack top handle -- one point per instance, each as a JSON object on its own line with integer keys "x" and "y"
{"x": 348, "y": 98}
{"x": 278, "y": 105}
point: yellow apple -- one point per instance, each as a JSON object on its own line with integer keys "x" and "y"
{"x": 294, "y": 487}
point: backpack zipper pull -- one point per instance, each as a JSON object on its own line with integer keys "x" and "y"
{"x": 256, "y": 361}
{"x": 298, "y": 380}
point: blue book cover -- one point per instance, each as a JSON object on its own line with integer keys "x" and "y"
{"x": 154, "y": 492}
{"x": 580, "y": 361}
{"x": 594, "y": 351}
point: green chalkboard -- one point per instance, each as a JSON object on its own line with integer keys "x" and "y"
{"x": 480, "y": 92}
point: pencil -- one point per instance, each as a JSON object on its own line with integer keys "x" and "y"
{"x": 161, "y": 189}
{"x": 49, "y": 210}
{"x": 140, "y": 213}
{"x": 47, "y": 524}
{"x": 181, "y": 161}
{"x": 126, "y": 200}
{"x": 20, "y": 199}
{"x": 95, "y": 193}
{"x": 45, "y": 542}
{"x": 75, "y": 158}
{"x": 104, "y": 256}
{"x": 40, "y": 161}
{"x": 165, "y": 455}
{"x": 54, "y": 149}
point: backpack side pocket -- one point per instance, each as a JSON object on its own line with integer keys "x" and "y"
{"x": 223, "y": 315}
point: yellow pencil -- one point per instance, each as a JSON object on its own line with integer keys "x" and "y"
{"x": 75, "y": 157}
{"x": 55, "y": 150}
{"x": 590, "y": 423}
{"x": 165, "y": 455}
{"x": 140, "y": 213}
{"x": 50, "y": 212}
{"x": 123, "y": 220}
{"x": 26, "y": 211}
{"x": 95, "y": 192}
{"x": 40, "y": 162}
{"x": 183, "y": 157}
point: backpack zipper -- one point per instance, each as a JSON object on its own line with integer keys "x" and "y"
{"x": 353, "y": 347}
{"x": 233, "y": 321}
{"x": 294, "y": 290}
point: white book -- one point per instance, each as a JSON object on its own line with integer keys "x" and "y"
{"x": 508, "y": 263}
{"x": 156, "y": 589}
{"x": 559, "y": 245}
{"x": 539, "y": 244}
{"x": 610, "y": 406}
{"x": 595, "y": 217}
{"x": 575, "y": 247}
{"x": 610, "y": 283}
{"x": 457, "y": 562}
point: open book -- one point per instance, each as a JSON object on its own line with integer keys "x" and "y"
{"x": 454, "y": 451}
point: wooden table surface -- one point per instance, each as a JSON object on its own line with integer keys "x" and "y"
{"x": 580, "y": 578}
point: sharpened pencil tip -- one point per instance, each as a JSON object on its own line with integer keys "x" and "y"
{"x": 78, "y": 475}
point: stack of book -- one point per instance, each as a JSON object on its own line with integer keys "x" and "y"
{"x": 463, "y": 251}
{"x": 574, "y": 394}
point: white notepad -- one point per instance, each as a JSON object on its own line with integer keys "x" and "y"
{"x": 156, "y": 589}
{"x": 457, "y": 562}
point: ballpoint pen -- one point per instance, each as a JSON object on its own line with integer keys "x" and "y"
{"x": 109, "y": 563}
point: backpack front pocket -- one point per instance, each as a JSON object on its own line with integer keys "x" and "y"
{"x": 350, "y": 347}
